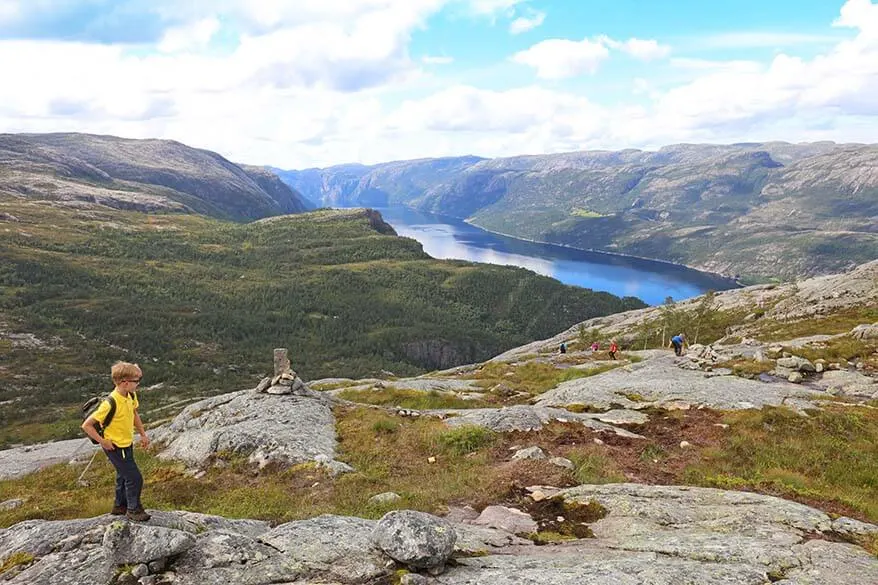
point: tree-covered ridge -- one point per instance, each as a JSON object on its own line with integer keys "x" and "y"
{"x": 202, "y": 302}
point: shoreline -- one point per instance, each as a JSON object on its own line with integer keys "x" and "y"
{"x": 595, "y": 251}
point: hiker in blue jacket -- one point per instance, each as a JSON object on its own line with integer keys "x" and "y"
{"x": 677, "y": 341}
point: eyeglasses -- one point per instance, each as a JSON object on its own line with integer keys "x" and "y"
{"x": 136, "y": 381}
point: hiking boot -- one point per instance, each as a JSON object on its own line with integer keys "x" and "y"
{"x": 138, "y": 515}
{"x": 119, "y": 510}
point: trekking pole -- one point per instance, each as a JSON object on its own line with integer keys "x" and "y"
{"x": 81, "y": 481}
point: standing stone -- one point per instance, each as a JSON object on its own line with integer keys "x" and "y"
{"x": 281, "y": 361}
{"x": 415, "y": 539}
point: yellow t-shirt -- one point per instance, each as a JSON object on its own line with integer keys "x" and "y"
{"x": 121, "y": 429}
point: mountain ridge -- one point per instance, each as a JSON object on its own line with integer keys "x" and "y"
{"x": 714, "y": 207}
{"x": 148, "y": 175}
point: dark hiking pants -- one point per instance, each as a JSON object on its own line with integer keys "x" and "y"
{"x": 678, "y": 348}
{"x": 129, "y": 482}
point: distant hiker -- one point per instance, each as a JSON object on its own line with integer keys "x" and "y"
{"x": 563, "y": 348}
{"x": 117, "y": 438}
{"x": 677, "y": 341}
{"x": 595, "y": 346}
{"x": 614, "y": 347}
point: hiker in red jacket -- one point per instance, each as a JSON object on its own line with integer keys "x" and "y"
{"x": 614, "y": 347}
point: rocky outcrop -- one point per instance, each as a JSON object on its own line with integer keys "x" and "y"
{"x": 20, "y": 461}
{"x": 659, "y": 383}
{"x": 645, "y": 535}
{"x": 280, "y": 422}
{"x": 533, "y": 418}
{"x": 786, "y": 303}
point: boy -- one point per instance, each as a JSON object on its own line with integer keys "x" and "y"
{"x": 118, "y": 439}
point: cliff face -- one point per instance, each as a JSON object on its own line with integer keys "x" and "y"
{"x": 763, "y": 210}
{"x": 146, "y": 175}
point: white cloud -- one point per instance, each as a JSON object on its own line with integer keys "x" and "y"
{"x": 492, "y": 7}
{"x": 526, "y": 23}
{"x": 9, "y": 11}
{"x": 645, "y": 50}
{"x": 437, "y": 60}
{"x": 761, "y": 39}
{"x": 561, "y": 58}
{"x": 710, "y": 65}
{"x": 189, "y": 38}
{"x": 285, "y": 95}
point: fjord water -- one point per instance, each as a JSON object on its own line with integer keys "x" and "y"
{"x": 651, "y": 281}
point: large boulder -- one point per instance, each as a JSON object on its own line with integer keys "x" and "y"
{"x": 284, "y": 429}
{"x": 415, "y": 539}
{"x": 865, "y": 332}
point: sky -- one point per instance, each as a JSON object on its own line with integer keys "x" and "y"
{"x": 312, "y": 83}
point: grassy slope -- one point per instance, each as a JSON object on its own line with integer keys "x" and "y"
{"x": 828, "y": 459}
{"x": 202, "y": 303}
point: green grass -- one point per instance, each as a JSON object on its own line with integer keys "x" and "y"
{"x": 466, "y": 439}
{"x": 593, "y": 466}
{"x": 388, "y": 453}
{"x": 829, "y": 455}
{"x": 15, "y": 561}
{"x": 837, "y": 322}
{"x": 533, "y": 377}
{"x": 411, "y": 399}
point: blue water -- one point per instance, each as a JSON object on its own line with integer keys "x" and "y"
{"x": 651, "y": 281}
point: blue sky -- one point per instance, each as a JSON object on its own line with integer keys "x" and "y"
{"x": 298, "y": 83}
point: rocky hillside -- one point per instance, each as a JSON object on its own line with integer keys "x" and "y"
{"x": 144, "y": 175}
{"x": 769, "y": 210}
{"x": 750, "y": 459}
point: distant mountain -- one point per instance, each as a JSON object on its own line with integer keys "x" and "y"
{"x": 146, "y": 175}
{"x": 756, "y": 209}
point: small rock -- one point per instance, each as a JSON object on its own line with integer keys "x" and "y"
{"x": 508, "y": 519}
{"x": 796, "y": 364}
{"x": 140, "y": 570}
{"x": 263, "y": 385}
{"x": 385, "y": 498}
{"x": 431, "y": 460}
{"x": 413, "y": 579}
{"x": 158, "y": 565}
{"x": 597, "y": 441}
{"x": 148, "y": 580}
{"x": 796, "y": 378}
{"x": 279, "y": 389}
{"x": 685, "y": 444}
{"x": 721, "y": 425}
{"x": 415, "y": 539}
{"x": 11, "y": 504}
{"x": 818, "y": 367}
{"x": 529, "y": 453}
{"x": 759, "y": 356}
{"x": 538, "y": 496}
{"x": 562, "y": 462}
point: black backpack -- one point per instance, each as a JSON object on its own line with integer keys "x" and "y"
{"x": 91, "y": 405}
